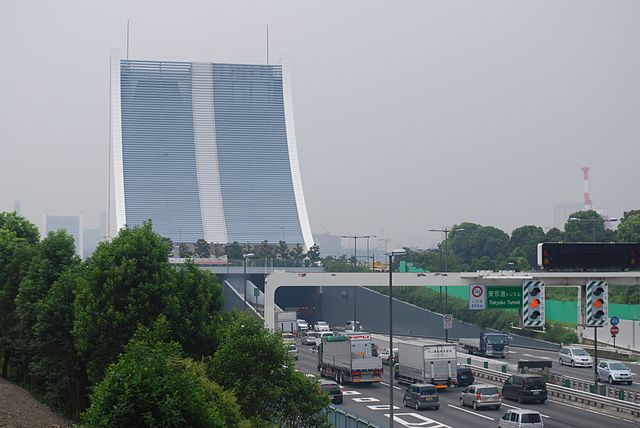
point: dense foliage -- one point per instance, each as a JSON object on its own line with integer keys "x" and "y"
{"x": 133, "y": 329}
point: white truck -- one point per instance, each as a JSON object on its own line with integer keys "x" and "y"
{"x": 349, "y": 357}
{"x": 427, "y": 362}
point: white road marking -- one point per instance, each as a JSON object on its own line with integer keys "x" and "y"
{"x": 469, "y": 411}
{"x": 546, "y": 358}
{"x": 591, "y": 411}
{"x": 351, "y": 392}
{"x": 512, "y": 352}
{"x": 520, "y": 408}
{"x": 386, "y": 384}
{"x": 382, "y": 407}
{"x": 426, "y": 422}
{"x": 365, "y": 400}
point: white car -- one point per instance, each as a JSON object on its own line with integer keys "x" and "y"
{"x": 614, "y": 371}
{"x": 574, "y": 356}
{"x": 321, "y": 326}
{"x": 521, "y": 418}
{"x": 302, "y": 325}
{"x": 311, "y": 338}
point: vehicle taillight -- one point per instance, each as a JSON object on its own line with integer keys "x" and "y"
{"x": 376, "y": 371}
{"x": 478, "y": 396}
{"x": 355, "y": 373}
{"x": 499, "y": 394}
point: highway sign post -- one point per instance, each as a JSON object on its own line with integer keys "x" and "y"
{"x": 614, "y": 320}
{"x": 614, "y": 330}
{"x": 447, "y": 321}
{"x": 477, "y": 297}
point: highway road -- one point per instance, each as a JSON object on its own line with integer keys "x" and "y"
{"x": 524, "y": 354}
{"x": 371, "y": 402}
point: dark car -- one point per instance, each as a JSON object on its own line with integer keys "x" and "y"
{"x": 419, "y": 395}
{"x": 332, "y": 389}
{"x": 465, "y": 376}
{"x": 525, "y": 387}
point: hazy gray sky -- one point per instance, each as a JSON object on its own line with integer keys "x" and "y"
{"x": 409, "y": 114}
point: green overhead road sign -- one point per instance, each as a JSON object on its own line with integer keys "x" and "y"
{"x": 504, "y": 297}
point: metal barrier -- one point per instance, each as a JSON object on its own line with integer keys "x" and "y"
{"x": 589, "y": 386}
{"x": 575, "y": 396}
{"x": 342, "y": 419}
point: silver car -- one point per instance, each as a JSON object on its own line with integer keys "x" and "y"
{"x": 575, "y": 356}
{"x": 311, "y": 338}
{"x": 478, "y": 396}
{"x": 521, "y": 418}
{"x": 614, "y": 371}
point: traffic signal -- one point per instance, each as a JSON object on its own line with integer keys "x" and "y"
{"x": 533, "y": 303}
{"x": 597, "y": 303}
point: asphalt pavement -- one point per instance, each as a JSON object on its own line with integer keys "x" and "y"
{"x": 371, "y": 402}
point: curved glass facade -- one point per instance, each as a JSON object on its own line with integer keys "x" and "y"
{"x": 205, "y": 152}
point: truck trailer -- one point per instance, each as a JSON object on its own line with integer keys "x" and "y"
{"x": 349, "y": 357}
{"x": 487, "y": 345}
{"x": 427, "y": 362}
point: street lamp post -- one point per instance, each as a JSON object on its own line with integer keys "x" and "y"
{"x": 355, "y": 262}
{"x": 446, "y": 269}
{"x": 244, "y": 266}
{"x": 396, "y": 253}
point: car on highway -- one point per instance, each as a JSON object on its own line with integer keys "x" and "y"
{"x": 386, "y": 356}
{"x": 525, "y": 387}
{"x": 614, "y": 371}
{"x": 574, "y": 356}
{"x": 332, "y": 389}
{"x": 465, "y": 376}
{"x": 310, "y": 339}
{"x": 421, "y": 395}
{"x": 302, "y": 325}
{"x": 479, "y": 396}
{"x": 321, "y": 326}
{"x": 521, "y": 418}
{"x": 288, "y": 338}
{"x": 293, "y": 351}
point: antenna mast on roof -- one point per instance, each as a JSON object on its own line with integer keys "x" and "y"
{"x": 127, "y": 39}
{"x": 267, "y": 44}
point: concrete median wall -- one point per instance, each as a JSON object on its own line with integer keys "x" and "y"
{"x": 372, "y": 310}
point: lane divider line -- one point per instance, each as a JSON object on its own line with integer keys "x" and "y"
{"x": 386, "y": 384}
{"x": 469, "y": 411}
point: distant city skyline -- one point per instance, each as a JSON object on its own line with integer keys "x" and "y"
{"x": 408, "y": 116}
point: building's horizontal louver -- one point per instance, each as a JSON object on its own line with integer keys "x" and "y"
{"x": 160, "y": 181}
{"x": 255, "y": 174}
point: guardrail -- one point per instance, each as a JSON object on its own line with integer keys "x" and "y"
{"x": 589, "y": 386}
{"x": 341, "y": 419}
{"x": 574, "y": 396}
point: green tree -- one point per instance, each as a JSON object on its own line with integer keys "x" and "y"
{"x": 18, "y": 239}
{"x": 234, "y": 251}
{"x": 152, "y": 385}
{"x": 202, "y": 249}
{"x": 184, "y": 250}
{"x": 282, "y": 251}
{"x": 55, "y": 363}
{"x": 200, "y": 297}
{"x": 527, "y": 239}
{"x": 629, "y": 229}
{"x": 297, "y": 253}
{"x": 129, "y": 282}
{"x": 265, "y": 250}
{"x": 254, "y": 364}
{"x": 517, "y": 261}
{"x": 587, "y": 226}
{"x": 477, "y": 242}
{"x": 53, "y": 256}
{"x": 314, "y": 253}
{"x": 554, "y": 235}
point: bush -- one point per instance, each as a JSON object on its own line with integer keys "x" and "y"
{"x": 151, "y": 385}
